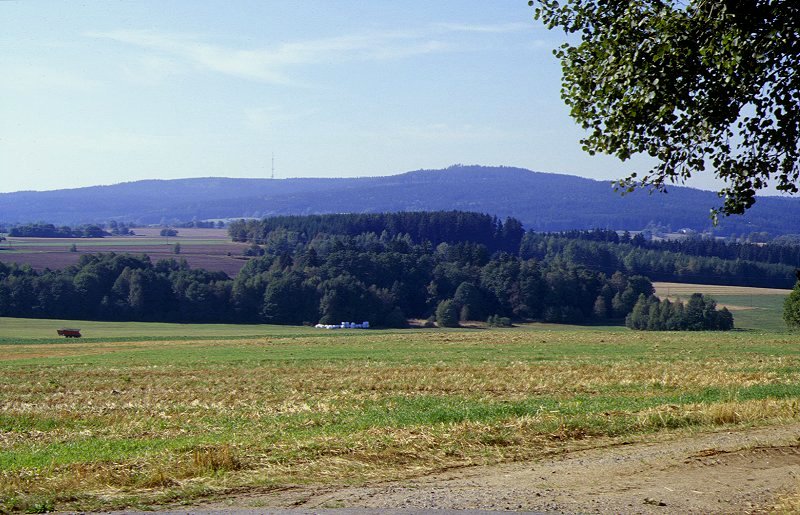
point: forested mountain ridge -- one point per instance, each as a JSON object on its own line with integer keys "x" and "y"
{"x": 541, "y": 201}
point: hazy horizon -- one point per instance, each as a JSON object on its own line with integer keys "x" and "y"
{"x": 118, "y": 92}
{"x": 277, "y": 178}
{"x": 103, "y": 93}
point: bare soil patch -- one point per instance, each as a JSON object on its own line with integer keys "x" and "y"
{"x": 742, "y": 471}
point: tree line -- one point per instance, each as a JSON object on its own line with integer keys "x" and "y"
{"x": 700, "y": 313}
{"x": 202, "y": 224}
{"x": 38, "y": 230}
{"x": 782, "y": 250}
{"x": 113, "y": 286}
{"x": 46, "y": 230}
{"x": 432, "y": 226}
{"x": 775, "y": 252}
{"x": 598, "y": 250}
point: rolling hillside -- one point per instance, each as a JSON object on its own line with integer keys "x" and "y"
{"x": 542, "y": 201}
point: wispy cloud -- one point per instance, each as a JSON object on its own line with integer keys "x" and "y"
{"x": 273, "y": 64}
{"x": 258, "y": 65}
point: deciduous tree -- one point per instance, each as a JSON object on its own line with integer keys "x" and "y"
{"x": 694, "y": 84}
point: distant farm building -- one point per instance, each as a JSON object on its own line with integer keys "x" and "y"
{"x": 344, "y": 325}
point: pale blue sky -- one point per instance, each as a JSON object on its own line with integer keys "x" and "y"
{"x": 99, "y": 92}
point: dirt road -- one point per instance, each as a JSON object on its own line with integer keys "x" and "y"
{"x": 725, "y": 472}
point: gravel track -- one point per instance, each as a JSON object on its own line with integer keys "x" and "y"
{"x": 740, "y": 471}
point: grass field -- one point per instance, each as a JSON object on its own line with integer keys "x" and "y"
{"x": 755, "y": 309}
{"x": 29, "y": 330}
{"x": 139, "y": 415}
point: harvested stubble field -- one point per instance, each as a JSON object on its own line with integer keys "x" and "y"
{"x": 684, "y": 290}
{"x": 116, "y": 421}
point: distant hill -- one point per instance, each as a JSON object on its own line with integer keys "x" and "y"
{"x": 542, "y": 201}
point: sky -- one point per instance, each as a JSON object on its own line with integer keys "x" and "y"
{"x": 102, "y": 92}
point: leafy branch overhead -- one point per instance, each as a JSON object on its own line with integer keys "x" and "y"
{"x": 696, "y": 84}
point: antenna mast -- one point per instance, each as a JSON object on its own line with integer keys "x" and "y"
{"x": 273, "y": 166}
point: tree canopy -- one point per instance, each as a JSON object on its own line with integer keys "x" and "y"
{"x": 325, "y": 270}
{"x": 791, "y": 306}
{"x": 695, "y": 84}
{"x": 700, "y": 313}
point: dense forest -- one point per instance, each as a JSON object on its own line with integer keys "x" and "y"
{"x": 385, "y": 269}
{"x": 115, "y": 287}
{"x": 694, "y": 260}
{"x": 329, "y": 278}
{"x": 421, "y": 226}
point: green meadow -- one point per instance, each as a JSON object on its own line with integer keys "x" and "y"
{"x": 757, "y": 313}
{"x": 29, "y": 330}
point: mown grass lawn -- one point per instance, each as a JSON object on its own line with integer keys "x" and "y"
{"x": 184, "y": 411}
